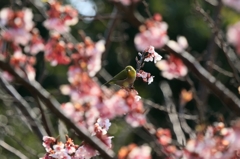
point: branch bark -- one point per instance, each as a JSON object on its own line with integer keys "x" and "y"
{"x": 229, "y": 99}
{"x": 53, "y": 105}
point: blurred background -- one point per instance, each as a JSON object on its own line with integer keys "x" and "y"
{"x": 95, "y": 19}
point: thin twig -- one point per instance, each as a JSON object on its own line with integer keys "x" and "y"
{"x": 198, "y": 101}
{"x": 220, "y": 70}
{"x": 147, "y": 8}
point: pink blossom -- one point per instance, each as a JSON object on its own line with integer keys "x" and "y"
{"x": 180, "y": 45}
{"x": 18, "y": 24}
{"x": 85, "y": 152}
{"x": 47, "y": 142}
{"x": 153, "y": 33}
{"x": 235, "y": 4}
{"x": 141, "y": 152}
{"x": 89, "y": 54}
{"x": 145, "y": 76}
{"x": 56, "y": 24}
{"x": 55, "y": 51}
{"x": 152, "y": 54}
{"x": 171, "y": 68}
{"x": 36, "y": 44}
{"x": 233, "y": 36}
{"x": 60, "y": 17}
{"x": 21, "y": 63}
{"x": 115, "y": 106}
{"x": 104, "y": 123}
{"x": 135, "y": 119}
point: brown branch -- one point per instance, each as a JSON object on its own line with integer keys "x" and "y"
{"x": 229, "y": 99}
{"x": 231, "y": 56}
{"x": 53, "y": 105}
{"x": 167, "y": 93}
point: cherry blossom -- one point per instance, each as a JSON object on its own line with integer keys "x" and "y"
{"x": 55, "y": 50}
{"x": 88, "y": 54}
{"x": 152, "y": 54}
{"x": 36, "y": 44}
{"x": 133, "y": 151}
{"x": 148, "y": 55}
{"x": 60, "y": 17}
{"x": 233, "y": 36}
{"x": 152, "y": 33}
{"x": 145, "y": 76}
{"x": 171, "y": 68}
{"x": 47, "y": 142}
{"x": 235, "y": 4}
{"x": 69, "y": 150}
{"x": 178, "y": 46}
{"x": 17, "y": 25}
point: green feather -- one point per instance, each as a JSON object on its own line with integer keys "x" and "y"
{"x": 125, "y": 78}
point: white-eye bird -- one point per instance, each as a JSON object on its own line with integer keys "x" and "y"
{"x": 125, "y": 78}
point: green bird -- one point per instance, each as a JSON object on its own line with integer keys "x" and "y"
{"x": 125, "y": 78}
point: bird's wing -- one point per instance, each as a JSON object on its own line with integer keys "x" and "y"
{"x": 120, "y": 76}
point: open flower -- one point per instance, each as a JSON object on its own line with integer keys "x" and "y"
{"x": 60, "y": 17}
{"x": 18, "y": 25}
{"x": 145, "y": 76}
{"x": 153, "y": 32}
{"x": 152, "y": 55}
{"x": 171, "y": 68}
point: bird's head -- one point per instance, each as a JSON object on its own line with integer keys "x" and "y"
{"x": 131, "y": 71}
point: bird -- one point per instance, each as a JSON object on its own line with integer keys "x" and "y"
{"x": 125, "y": 78}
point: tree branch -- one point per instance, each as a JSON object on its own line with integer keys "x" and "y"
{"x": 53, "y": 105}
{"x": 229, "y": 99}
{"x": 24, "y": 108}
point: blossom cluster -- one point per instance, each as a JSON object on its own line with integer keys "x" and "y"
{"x": 60, "y": 17}
{"x": 148, "y": 55}
{"x": 20, "y": 41}
{"x": 152, "y": 33}
{"x": 217, "y": 142}
{"x": 68, "y": 150}
{"x": 173, "y": 67}
{"x": 133, "y": 151}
